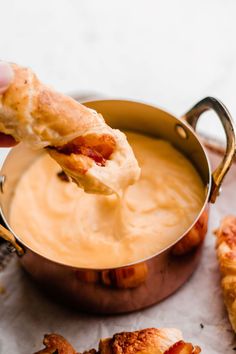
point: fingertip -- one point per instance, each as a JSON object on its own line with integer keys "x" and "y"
{"x": 6, "y": 75}
{"x": 7, "y": 140}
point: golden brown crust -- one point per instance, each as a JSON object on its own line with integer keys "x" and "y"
{"x": 226, "y": 254}
{"x": 143, "y": 341}
{"x": 146, "y": 341}
{"x": 54, "y": 343}
{"x": 36, "y": 114}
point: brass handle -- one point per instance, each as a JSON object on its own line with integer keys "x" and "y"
{"x": 8, "y": 236}
{"x": 192, "y": 117}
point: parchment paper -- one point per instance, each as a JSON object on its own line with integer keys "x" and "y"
{"x": 197, "y": 308}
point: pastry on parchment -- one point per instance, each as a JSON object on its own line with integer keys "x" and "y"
{"x": 146, "y": 341}
{"x": 226, "y": 254}
{"x": 95, "y": 156}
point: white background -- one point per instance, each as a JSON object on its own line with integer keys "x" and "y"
{"x": 169, "y": 53}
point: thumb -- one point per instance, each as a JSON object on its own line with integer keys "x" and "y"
{"x": 6, "y": 76}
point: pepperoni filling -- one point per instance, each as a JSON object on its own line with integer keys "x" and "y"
{"x": 98, "y": 148}
{"x": 83, "y": 150}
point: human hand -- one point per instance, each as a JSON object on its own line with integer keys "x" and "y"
{"x": 6, "y": 76}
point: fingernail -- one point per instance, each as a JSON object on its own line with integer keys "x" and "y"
{"x": 6, "y": 75}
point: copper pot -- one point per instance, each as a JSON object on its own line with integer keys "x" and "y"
{"x": 143, "y": 283}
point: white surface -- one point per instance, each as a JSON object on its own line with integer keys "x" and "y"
{"x": 169, "y": 53}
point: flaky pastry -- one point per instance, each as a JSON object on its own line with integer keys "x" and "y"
{"x": 226, "y": 254}
{"x": 146, "y": 341}
{"x": 56, "y": 344}
{"x": 95, "y": 156}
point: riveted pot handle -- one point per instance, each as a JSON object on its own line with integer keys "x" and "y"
{"x": 192, "y": 116}
{"x": 8, "y": 236}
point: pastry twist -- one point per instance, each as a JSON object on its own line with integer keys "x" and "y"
{"x": 226, "y": 254}
{"x": 95, "y": 156}
{"x": 146, "y": 341}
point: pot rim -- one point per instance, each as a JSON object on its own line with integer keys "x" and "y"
{"x": 206, "y": 201}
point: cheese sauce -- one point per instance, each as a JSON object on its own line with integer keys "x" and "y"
{"x": 62, "y": 222}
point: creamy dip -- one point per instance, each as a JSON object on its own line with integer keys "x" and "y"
{"x": 62, "y": 222}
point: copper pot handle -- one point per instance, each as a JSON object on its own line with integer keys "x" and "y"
{"x": 192, "y": 116}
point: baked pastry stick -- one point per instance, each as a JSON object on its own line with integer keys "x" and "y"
{"x": 226, "y": 254}
{"x": 146, "y": 341}
{"x": 95, "y": 156}
{"x": 56, "y": 344}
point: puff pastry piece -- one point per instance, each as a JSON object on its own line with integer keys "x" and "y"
{"x": 146, "y": 341}
{"x": 226, "y": 254}
{"x": 54, "y": 343}
{"x": 95, "y": 156}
